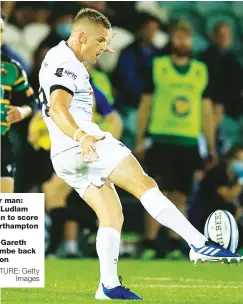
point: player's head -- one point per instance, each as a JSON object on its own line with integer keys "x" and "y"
{"x": 222, "y": 35}
{"x": 149, "y": 26}
{"x": 90, "y": 31}
{"x": 181, "y": 39}
{"x": 2, "y": 28}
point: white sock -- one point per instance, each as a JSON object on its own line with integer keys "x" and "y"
{"x": 71, "y": 246}
{"x": 107, "y": 246}
{"x": 166, "y": 213}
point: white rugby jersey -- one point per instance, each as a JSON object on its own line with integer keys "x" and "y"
{"x": 61, "y": 69}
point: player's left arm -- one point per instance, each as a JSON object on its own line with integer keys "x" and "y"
{"x": 209, "y": 126}
{"x": 23, "y": 98}
{"x": 208, "y": 121}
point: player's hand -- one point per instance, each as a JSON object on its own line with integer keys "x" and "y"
{"x": 16, "y": 114}
{"x": 139, "y": 151}
{"x": 111, "y": 36}
{"x": 212, "y": 160}
{"x": 88, "y": 147}
{"x": 238, "y": 213}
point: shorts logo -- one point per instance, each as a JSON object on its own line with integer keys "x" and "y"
{"x": 59, "y": 72}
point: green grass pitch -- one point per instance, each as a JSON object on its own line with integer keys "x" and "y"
{"x": 75, "y": 282}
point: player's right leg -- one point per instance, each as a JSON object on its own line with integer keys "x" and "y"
{"x": 130, "y": 176}
{"x": 106, "y": 204}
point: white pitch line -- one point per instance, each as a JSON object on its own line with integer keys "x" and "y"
{"x": 184, "y": 280}
{"x": 185, "y": 286}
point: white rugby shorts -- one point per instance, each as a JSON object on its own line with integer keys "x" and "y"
{"x": 70, "y": 166}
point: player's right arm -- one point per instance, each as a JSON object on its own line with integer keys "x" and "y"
{"x": 143, "y": 115}
{"x": 60, "y": 100}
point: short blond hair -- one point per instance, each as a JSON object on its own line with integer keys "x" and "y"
{"x": 92, "y": 15}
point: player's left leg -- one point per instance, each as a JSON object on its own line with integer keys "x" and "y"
{"x": 129, "y": 176}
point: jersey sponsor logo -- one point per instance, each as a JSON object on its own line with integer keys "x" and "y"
{"x": 70, "y": 74}
{"x": 181, "y": 106}
{"x": 59, "y": 72}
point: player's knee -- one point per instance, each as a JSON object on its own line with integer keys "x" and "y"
{"x": 116, "y": 220}
{"x": 111, "y": 219}
{"x": 145, "y": 183}
{"x": 121, "y": 219}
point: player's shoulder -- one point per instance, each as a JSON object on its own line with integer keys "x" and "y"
{"x": 5, "y": 57}
{"x": 59, "y": 54}
{"x": 199, "y": 64}
{"x": 161, "y": 60}
{"x": 21, "y": 73}
{"x": 14, "y": 62}
{"x": 63, "y": 59}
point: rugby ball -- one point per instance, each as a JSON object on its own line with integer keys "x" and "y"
{"x": 222, "y": 228}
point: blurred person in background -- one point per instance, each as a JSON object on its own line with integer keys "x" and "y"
{"x": 7, "y": 7}
{"x": 220, "y": 189}
{"x": 101, "y": 81}
{"x": 133, "y": 64}
{"x": 175, "y": 106}
{"x": 7, "y": 10}
{"x": 61, "y": 23}
{"x": 42, "y": 11}
{"x": 17, "y": 103}
{"x": 21, "y": 15}
{"x": 114, "y": 10}
{"x": 227, "y": 81}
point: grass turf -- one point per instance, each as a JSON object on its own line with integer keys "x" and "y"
{"x": 75, "y": 282}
